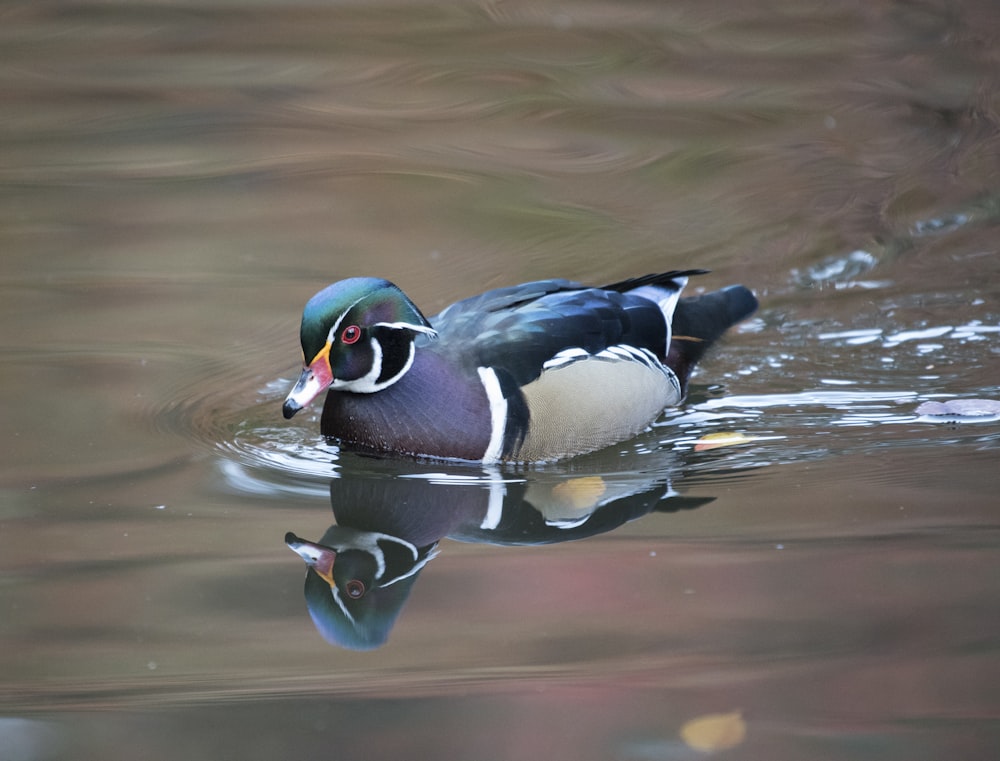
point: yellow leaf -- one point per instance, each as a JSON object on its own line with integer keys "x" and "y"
{"x": 714, "y": 731}
{"x": 718, "y": 440}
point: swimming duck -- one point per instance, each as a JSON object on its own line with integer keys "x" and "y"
{"x": 533, "y": 372}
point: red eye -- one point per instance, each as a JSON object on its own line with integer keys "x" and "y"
{"x": 354, "y": 588}
{"x": 351, "y": 334}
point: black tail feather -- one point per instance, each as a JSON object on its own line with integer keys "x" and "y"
{"x": 700, "y": 320}
{"x": 659, "y": 278}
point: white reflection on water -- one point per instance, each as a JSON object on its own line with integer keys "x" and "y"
{"x": 832, "y": 399}
{"x": 971, "y": 331}
{"x": 240, "y": 478}
{"x": 940, "y": 224}
{"x": 863, "y": 407}
{"x": 853, "y": 337}
{"x": 842, "y": 270}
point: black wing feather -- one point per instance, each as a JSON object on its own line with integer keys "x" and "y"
{"x": 520, "y": 341}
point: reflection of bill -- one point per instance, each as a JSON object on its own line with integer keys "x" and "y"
{"x": 388, "y": 527}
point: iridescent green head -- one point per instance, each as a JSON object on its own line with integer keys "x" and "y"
{"x": 357, "y": 335}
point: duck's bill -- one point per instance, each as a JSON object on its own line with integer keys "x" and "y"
{"x": 317, "y": 556}
{"x": 310, "y": 384}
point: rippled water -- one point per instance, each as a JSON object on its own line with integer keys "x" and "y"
{"x": 177, "y": 180}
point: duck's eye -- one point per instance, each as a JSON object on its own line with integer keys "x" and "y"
{"x": 350, "y": 334}
{"x": 354, "y": 588}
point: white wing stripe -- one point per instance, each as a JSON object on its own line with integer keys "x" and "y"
{"x": 618, "y": 353}
{"x": 565, "y": 356}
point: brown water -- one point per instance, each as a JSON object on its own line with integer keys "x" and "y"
{"x": 175, "y": 181}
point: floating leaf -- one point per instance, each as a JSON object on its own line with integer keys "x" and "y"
{"x": 719, "y": 440}
{"x": 714, "y": 731}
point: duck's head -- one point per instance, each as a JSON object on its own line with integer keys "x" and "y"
{"x": 357, "y": 335}
{"x": 357, "y": 582}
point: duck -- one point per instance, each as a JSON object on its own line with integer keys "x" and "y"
{"x": 529, "y": 373}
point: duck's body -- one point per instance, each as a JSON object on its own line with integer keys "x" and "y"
{"x": 534, "y": 372}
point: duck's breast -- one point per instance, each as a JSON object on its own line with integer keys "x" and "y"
{"x": 434, "y": 410}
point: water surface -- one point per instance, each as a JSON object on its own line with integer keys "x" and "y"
{"x": 176, "y": 181}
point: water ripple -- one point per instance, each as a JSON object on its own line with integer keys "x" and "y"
{"x": 239, "y": 420}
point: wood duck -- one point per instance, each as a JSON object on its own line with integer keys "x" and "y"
{"x": 533, "y": 372}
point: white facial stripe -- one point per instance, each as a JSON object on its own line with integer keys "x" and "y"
{"x": 332, "y": 335}
{"x": 408, "y": 326}
{"x": 400, "y": 374}
{"x": 369, "y": 383}
{"x": 498, "y": 413}
{"x": 340, "y": 604}
{"x": 366, "y": 383}
{"x": 416, "y": 567}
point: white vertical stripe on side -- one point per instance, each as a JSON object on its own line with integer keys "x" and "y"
{"x": 498, "y": 413}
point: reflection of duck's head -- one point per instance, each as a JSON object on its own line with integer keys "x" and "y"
{"x": 357, "y": 583}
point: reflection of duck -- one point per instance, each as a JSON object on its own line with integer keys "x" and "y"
{"x": 388, "y": 526}
{"x": 357, "y": 582}
{"x": 532, "y": 372}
